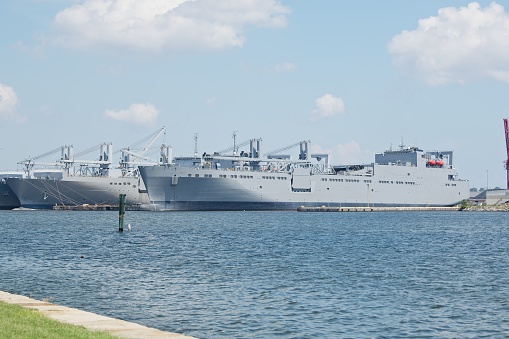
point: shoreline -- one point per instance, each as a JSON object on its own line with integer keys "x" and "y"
{"x": 91, "y": 321}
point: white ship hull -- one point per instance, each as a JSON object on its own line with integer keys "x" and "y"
{"x": 391, "y": 184}
{"x": 77, "y": 190}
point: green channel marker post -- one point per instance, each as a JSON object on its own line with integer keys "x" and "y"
{"x": 121, "y": 212}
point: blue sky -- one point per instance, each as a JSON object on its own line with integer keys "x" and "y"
{"x": 354, "y": 77}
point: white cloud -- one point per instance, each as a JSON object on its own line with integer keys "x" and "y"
{"x": 285, "y": 67}
{"x": 8, "y": 101}
{"x": 211, "y": 101}
{"x": 327, "y": 106}
{"x": 344, "y": 154}
{"x": 136, "y": 113}
{"x": 155, "y": 25}
{"x": 457, "y": 45}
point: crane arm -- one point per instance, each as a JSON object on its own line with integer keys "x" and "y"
{"x": 242, "y": 144}
{"x": 286, "y": 147}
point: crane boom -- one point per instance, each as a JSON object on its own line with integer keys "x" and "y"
{"x": 232, "y": 148}
{"x": 287, "y": 147}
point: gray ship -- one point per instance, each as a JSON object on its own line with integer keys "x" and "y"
{"x": 407, "y": 176}
{"x": 85, "y": 182}
{"x": 8, "y": 199}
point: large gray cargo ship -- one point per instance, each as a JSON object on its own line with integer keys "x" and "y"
{"x": 45, "y": 193}
{"x": 93, "y": 184}
{"x": 407, "y": 176}
{"x": 85, "y": 182}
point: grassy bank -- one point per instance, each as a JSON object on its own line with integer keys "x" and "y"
{"x": 20, "y": 322}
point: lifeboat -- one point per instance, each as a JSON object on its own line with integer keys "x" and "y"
{"x": 432, "y": 162}
{"x": 440, "y": 163}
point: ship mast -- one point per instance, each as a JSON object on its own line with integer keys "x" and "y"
{"x": 234, "y": 136}
{"x": 196, "y": 145}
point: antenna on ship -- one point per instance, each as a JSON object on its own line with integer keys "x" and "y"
{"x": 195, "y": 145}
{"x": 234, "y": 139}
{"x": 402, "y": 145}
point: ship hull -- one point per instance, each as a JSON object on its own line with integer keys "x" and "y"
{"x": 73, "y": 191}
{"x": 174, "y": 188}
{"x": 8, "y": 199}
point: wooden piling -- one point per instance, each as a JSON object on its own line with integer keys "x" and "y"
{"x": 121, "y": 212}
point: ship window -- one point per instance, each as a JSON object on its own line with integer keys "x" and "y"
{"x": 189, "y": 175}
{"x": 197, "y": 175}
{"x": 134, "y": 186}
{"x": 111, "y": 183}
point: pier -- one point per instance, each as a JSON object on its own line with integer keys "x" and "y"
{"x": 98, "y": 207}
{"x": 374, "y": 209}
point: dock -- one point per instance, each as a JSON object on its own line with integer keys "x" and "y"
{"x": 374, "y": 209}
{"x": 98, "y": 207}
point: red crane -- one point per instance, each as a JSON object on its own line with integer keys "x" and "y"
{"x": 506, "y": 130}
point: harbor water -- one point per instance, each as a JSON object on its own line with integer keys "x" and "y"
{"x": 269, "y": 274}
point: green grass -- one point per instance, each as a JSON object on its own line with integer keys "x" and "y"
{"x": 19, "y": 322}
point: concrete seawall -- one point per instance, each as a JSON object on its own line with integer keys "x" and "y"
{"x": 373, "y": 209}
{"x": 91, "y": 321}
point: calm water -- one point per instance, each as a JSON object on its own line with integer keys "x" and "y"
{"x": 269, "y": 274}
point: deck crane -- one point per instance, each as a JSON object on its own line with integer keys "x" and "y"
{"x": 151, "y": 139}
{"x": 235, "y": 147}
{"x": 127, "y": 165}
{"x": 506, "y": 130}
{"x": 30, "y": 162}
{"x": 303, "y": 155}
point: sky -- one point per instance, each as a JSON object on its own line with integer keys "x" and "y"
{"x": 354, "y": 77}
